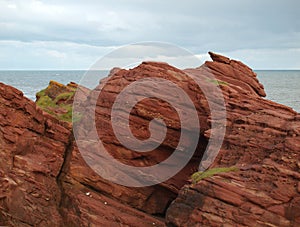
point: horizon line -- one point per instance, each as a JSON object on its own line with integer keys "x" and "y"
{"x": 289, "y": 69}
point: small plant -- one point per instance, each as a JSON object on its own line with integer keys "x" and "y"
{"x": 218, "y": 82}
{"x": 196, "y": 177}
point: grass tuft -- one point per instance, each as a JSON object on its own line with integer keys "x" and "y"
{"x": 218, "y": 82}
{"x": 198, "y": 176}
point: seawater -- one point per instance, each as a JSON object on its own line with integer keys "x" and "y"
{"x": 280, "y": 86}
{"x": 31, "y": 82}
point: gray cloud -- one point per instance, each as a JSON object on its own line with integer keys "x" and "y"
{"x": 222, "y": 26}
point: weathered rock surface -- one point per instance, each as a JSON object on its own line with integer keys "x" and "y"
{"x": 35, "y": 151}
{"x": 45, "y": 181}
{"x": 263, "y": 140}
{"x": 32, "y": 150}
{"x": 154, "y": 199}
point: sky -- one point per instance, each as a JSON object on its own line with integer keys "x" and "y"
{"x": 65, "y": 34}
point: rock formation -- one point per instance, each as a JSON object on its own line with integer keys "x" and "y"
{"x": 46, "y": 182}
{"x": 32, "y": 153}
{"x": 57, "y": 99}
{"x": 263, "y": 141}
{"x": 35, "y": 155}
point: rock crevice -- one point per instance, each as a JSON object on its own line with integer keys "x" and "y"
{"x": 44, "y": 181}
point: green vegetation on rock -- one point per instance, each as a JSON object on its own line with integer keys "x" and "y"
{"x": 196, "y": 177}
{"x": 218, "y": 82}
{"x": 65, "y": 96}
{"x": 44, "y": 102}
{"x": 57, "y": 100}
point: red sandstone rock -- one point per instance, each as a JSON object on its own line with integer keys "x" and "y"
{"x": 219, "y": 58}
{"x": 32, "y": 150}
{"x": 155, "y": 199}
{"x": 34, "y": 156}
{"x": 261, "y": 139}
{"x": 45, "y": 181}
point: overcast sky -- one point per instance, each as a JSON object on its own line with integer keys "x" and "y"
{"x": 65, "y": 34}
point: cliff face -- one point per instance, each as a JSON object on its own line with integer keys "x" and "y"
{"x": 263, "y": 141}
{"x": 32, "y": 152}
{"x": 45, "y": 181}
{"x": 43, "y": 177}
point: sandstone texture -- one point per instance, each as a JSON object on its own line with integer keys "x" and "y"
{"x": 45, "y": 181}
{"x": 35, "y": 154}
{"x": 33, "y": 148}
{"x": 262, "y": 140}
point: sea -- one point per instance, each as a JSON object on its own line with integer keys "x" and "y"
{"x": 281, "y": 86}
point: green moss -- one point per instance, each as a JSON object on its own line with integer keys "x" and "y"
{"x": 218, "y": 82}
{"x": 64, "y": 96}
{"x": 196, "y": 177}
{"x": 45, "y": 101}
{"x": 49, "y": 105}
{"x": 41, "y": 93}
{"x": 67, "y": 116}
